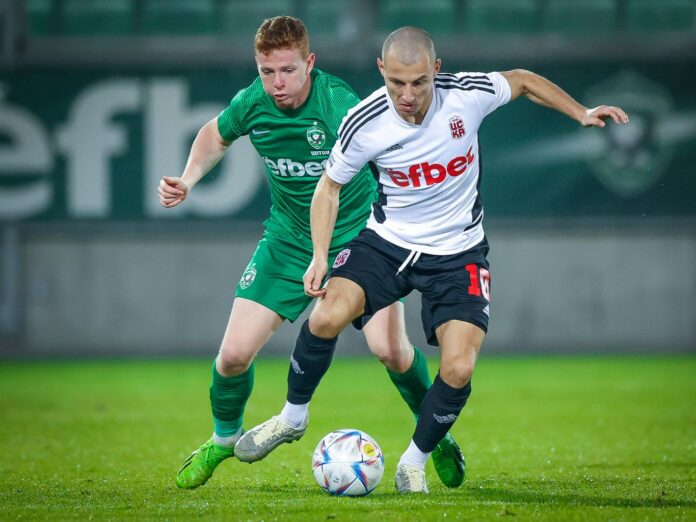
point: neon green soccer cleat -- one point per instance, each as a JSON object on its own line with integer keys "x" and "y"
{"x": 199, "y": 467}
{"x": 449, "y": 462}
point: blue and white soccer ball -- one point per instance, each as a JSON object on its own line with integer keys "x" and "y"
{"x": 348, "y": 463}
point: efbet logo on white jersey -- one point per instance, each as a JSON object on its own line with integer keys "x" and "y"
{"x": 431, "y": 173}
{"x": 285, "y": 167}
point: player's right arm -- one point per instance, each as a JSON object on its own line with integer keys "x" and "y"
{"x": 344, "y": 162}
{"x": 323, "y": 213}
{"x": 207, "y": 150}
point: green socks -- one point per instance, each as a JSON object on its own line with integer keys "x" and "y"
{"x": 414, "y": 383}
{"x": 228, "y": 397}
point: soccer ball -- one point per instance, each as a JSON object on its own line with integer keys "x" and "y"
{"x": 348, "y": 463}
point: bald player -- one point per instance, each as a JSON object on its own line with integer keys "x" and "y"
{"x": 425, "y": 233}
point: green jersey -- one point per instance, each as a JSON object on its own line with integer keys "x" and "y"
{"x": 295, "y": 145}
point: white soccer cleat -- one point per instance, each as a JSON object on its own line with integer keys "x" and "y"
{"x": 260, "y": 440}
{"x": 410, "y": 479}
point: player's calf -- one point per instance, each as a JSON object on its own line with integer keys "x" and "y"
{"x": 440, "y": 408}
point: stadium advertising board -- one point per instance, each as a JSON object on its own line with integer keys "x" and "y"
{"x": 92, "y": 145}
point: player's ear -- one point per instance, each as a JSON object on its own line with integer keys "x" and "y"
{"x": 380, "y": 66}
{"x": 438, "y": 64}
{"x": 310, "y": 62}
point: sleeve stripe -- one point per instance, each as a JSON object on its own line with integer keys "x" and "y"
{"x": 466, "y": 80}
{"x": 479, "y": 76}
{"x": 379, "y": 110}
{"x": 461, "y": 88}
{"x": 353, "y": 118}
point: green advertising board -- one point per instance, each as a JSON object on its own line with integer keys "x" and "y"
{"x": 92, "y": 144}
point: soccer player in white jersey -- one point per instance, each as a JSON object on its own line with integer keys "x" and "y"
{"x": 425, "y": 232}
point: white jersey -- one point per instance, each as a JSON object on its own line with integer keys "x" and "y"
{"x": 429, "y": 174}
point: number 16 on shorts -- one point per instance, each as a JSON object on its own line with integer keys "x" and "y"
{"x": 479, "y": 281}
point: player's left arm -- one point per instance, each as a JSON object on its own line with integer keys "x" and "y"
{"x": 544, "y": 92}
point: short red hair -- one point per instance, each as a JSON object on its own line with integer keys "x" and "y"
{"x": 282, "y": 32}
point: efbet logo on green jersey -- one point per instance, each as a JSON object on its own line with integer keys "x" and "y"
{"x": 285, "y": 167}
{"x": 316, "y": 136}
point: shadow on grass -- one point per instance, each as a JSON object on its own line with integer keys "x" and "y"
{"x": 519, "y": 497}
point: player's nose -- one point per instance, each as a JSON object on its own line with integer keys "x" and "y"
{"x": 408, "y": 94}
{"x": 278, "y": 81}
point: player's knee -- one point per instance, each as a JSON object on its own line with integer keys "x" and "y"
{"x": 324, "y": 323}
{"x": 395, "y": 355}
{"x": 457, "y": 374}
{"x": 232, "y": 362}
{"x": 324, "y": 326}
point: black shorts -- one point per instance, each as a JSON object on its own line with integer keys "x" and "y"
{"x": 452, "y": 286}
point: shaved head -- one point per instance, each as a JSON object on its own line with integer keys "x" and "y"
{"x": 408, "y": 44}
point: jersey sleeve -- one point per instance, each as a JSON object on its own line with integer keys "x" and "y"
{"x": 491, "y": 90}
{"x": 342, "y": 165}
{"x": 347, "y": 157}
{"x": 230, "y": 121}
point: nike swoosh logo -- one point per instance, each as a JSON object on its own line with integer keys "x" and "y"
{"x": 256, "y": 132}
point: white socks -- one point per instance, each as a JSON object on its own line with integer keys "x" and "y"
{"x": 296, "y": 415}
{"x": 227, "y": 441}
{"x": 414, "y": 457}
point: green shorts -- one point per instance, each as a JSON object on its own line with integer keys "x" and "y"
{"x": 273, "y": 277}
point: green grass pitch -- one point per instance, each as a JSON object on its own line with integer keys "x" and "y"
{"x": 546, "y": 438}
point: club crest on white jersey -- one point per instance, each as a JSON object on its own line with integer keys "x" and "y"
{"x": 456, "y": 125}
{"x": 429, "y": 174}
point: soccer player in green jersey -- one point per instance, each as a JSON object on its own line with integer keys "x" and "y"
{"x": 291, "y": 113}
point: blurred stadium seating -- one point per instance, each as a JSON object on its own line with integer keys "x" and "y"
{"x": 178, "y": 17}
{"x": 437, "y": 16}
{"x": 203, "y": 31}
{"x": 588, "y": 17}
{"x": 507, "y": 16}
{"x": 440, "y": 17}
{"x": 97, "y": 17}
{"x": 662, "y": 15}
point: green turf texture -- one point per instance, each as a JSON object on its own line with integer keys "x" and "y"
{"x": 596, "y": 438}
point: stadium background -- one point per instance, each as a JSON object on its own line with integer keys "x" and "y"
{"x": 593, "y": 231}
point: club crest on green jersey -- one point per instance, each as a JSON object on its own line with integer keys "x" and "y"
{"x": 316, "y": 137}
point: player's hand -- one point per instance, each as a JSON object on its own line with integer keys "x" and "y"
{"x": 595, "y": 117}
{"x": 172, "y": 191}
{"x": 314, "y": 277}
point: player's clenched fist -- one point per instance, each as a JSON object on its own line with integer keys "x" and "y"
{"x": 172, "y": 191}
